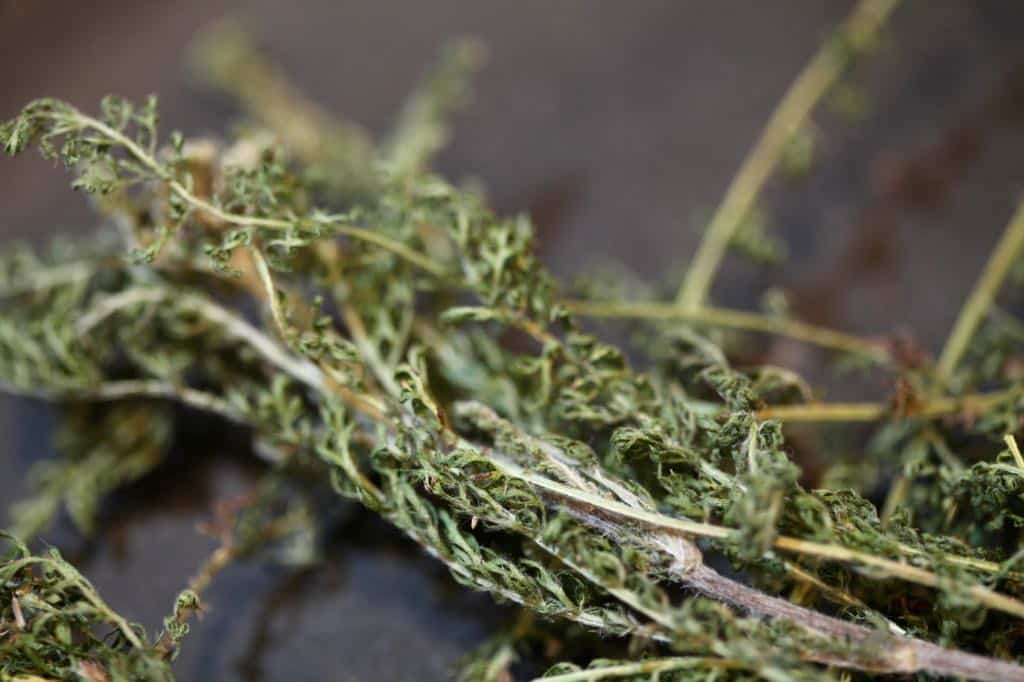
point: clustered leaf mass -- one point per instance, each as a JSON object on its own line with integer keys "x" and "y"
{"x": 381, "y": 331}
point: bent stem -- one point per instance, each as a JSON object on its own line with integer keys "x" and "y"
{"x": 857, "y": 32}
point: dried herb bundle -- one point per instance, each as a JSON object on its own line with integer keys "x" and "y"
{"x": 380, "y": 328}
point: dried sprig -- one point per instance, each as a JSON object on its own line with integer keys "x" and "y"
{"x": 413, "y": 353}
{"x": 54, "y": 624}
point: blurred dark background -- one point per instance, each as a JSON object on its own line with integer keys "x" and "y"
{"x": 618, "y": 126}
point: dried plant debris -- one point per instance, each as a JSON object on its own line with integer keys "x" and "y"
{"x": 390, "y": 335}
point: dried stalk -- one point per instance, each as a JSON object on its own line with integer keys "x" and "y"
{"x": 978, "y": 303}
{"x": 857, "y": 32}
{"x": 734, "y": 319}
{"x": 594, "y": 482}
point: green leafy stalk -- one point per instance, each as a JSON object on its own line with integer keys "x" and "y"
{"x": 411, "y": 353}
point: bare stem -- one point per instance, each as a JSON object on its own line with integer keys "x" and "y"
{"x": 857, "y": 32}
{"x": 985, "y": 290}
{"x": 228, "y": 551}
{"x": 652, "y": 668}
{"x": 973, "y": 403}
{"x": 898, "y": 654}
{"x": 1011, "y": 443}
{"x": 733, "y": 319}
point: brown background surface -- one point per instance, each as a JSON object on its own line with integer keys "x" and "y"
{"x": 618, "y": 124}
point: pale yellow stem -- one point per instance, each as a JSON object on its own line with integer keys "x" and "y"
{"x": 857, "y": 32}
{"x": 980, "y": 300}
{"x": 732, "y": 319}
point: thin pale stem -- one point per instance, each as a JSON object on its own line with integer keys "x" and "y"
{"x": 980, "y": 300}
{"x": 826, "y": 412}
{"x": 119, "y": 390}
{"x": 49, "y": 278}
{"x": 733, "y": 319}
{"x": 974, "y": 403}
{"x": 652, "y": 667}
{"x": 134, "y": 388}
{"x": 228, "y": 552}
{"x": 237, "y": 327}
{"x": 326, "y": 374}
{"x": 1011, "y": 443}
{"x": 270, "y": 294}
{"x": 824, "y": 69}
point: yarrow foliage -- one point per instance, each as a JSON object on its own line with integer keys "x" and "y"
{"x": 412, "y": 353}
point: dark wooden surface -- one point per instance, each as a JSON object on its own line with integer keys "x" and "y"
{"x": 619, "y": 125}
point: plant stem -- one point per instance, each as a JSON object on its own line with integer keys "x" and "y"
{"x": 1011, "y": 443}
{"x": 733, "y": 319}
{"x": 857, "y": 32}
{"x": 895, "y": 654}
{"x": 978, "y": 303}
{"x": 226, "y": 57}
{"x": 687, "y": 527}
{"x": 901, "y": 655}
{"x": 652, "y": 667}
{"x": 230, "y": 550}
{"x": 111, "y": 391}
{"x": 869, "y": 412}
{"x": 826, "y": 412}
{"x": 59, "y": 275}
{"x": 235, "y": 326}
